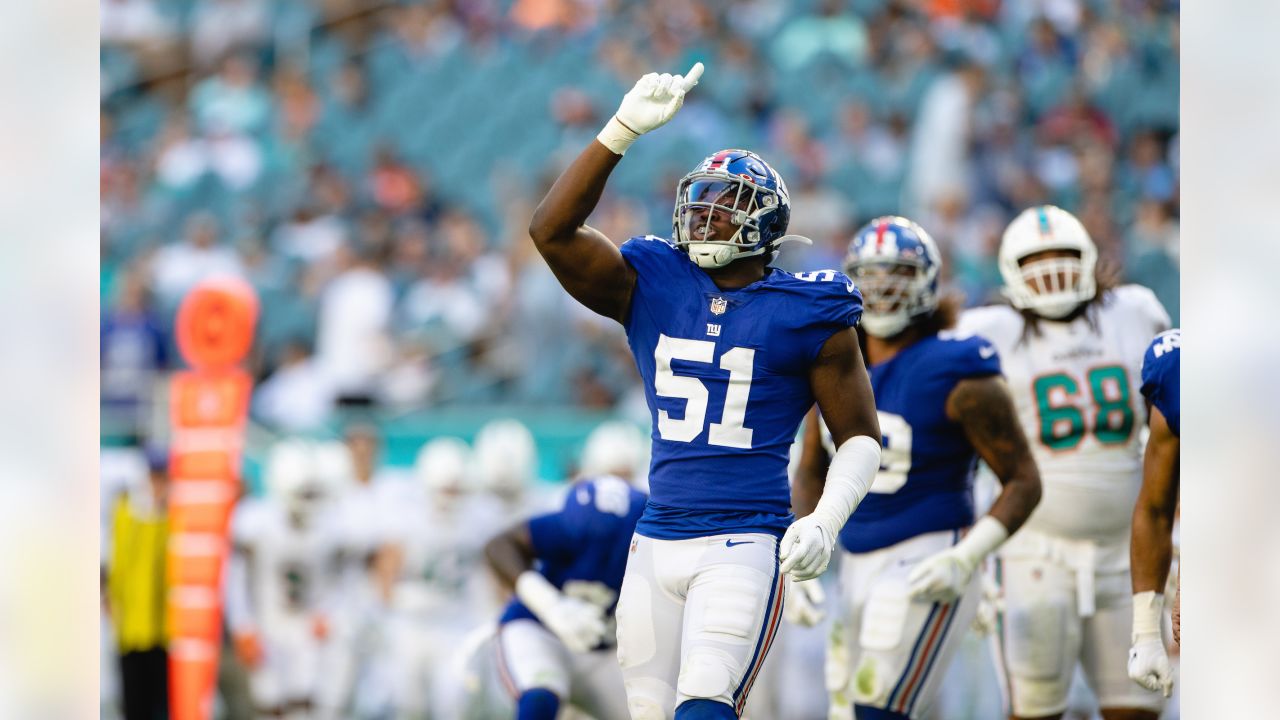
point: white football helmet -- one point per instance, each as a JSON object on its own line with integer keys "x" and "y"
{"x": 334, "y": 465}
{"x": 616, "y": 448}
{"x": 292, "y": 476}
{"x": 506, "y": 457}
{"x": 1050, "y": 287}
{"x": 443, "y": 465}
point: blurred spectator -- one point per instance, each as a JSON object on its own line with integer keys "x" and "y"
{"x": 297, "y": 397}
{"x": 133, "y": 22}
{"x": 1147, "y": 172}
{"x": 831, "y": 31}
{"x": 137, "y": 593}
{"x": 352, "y": 341}
{"x": 392, "y": 185}
{"x": 233, "y": 100}
{"x": 134, "y": 347}
{"x": 940, "y": 141}
{"x": 218, "y": 26}
{"x": 177, "y": 267}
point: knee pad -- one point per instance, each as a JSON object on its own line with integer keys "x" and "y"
{"x": 537, "y": 704}
{"x": 704, "y": 709}
{"x": 706, "y": 674}
{"x": 649, "y": 698}
{"x": 634, "y": 616}
{"x": 645, "y": 708}
{"x": 1037, "y": 633}
{"x": 870, "y": 682}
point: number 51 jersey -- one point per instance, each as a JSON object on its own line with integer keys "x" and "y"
{"x": 1076, "y": 387}
{"x": 726, "y": 376}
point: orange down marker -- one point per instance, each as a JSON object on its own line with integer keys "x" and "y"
{"x": 208, "y": 408}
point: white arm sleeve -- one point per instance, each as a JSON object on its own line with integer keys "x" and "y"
{"x": 849, "y": 477}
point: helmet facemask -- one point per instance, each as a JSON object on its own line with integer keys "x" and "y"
{"x": 1052, "y": 286}
{"x": 894, "y": 292}
{"x": 705, "y": 201}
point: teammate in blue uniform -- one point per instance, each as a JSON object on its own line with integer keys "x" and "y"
{"x": 1151, "y": 544}
{"x": 732, "y": 353}
{"x": 908, "y": 583}
{"x": 554, "y": 639}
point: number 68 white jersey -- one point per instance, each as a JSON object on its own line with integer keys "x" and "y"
{"x": 1076, "y": 387}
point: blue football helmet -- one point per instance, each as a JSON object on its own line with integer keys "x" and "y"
{"x": 895, "y": 263}
{"x": 737, "y": 186}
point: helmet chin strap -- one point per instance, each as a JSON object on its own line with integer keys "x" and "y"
{"x": 711, "y": 255}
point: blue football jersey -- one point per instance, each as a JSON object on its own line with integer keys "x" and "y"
{"x": 726, "y": 377}
{"x": 925, "y": 482}
{"x": 1161, "y": 376}
{"x": 583, "y": 547}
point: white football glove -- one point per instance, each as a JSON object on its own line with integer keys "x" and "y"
{"x": 806, "y": 601}
{"x": 806, "y": 548}
{"x": 944, "y": 576}
{"x": 648, "y": 106}
{"x": 579, "y": 624}
{"x": 941, "y": 577}
{"x": 1148, "y": 661}
{"x": 1149, "y": 664}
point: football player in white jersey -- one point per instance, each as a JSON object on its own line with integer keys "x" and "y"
{"x": 363, "y": 501}
{"x": 1071, "y": 343}
{"x": 278, "y": 582}
{"x": 430, "y": 573}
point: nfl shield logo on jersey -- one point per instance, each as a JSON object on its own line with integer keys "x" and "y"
{"x": 719, "y": 305}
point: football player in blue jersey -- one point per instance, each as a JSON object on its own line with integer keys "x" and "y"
{"x": 909, "y": 588}
{"x": 555, "y": 644}
{"x": 1151, "y": 545}
{"x": 732, "y": 353}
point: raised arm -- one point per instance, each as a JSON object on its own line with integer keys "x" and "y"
{"x": 588, "y": 264}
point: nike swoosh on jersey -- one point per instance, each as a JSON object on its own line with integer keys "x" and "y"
{"x": 730, "y": 543}
{"x": 986, "y": 351}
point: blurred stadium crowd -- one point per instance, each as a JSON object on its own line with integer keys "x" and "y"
{"x": 370, "y": 166}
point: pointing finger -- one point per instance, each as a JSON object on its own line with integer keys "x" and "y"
{"x": 691, "y": 77}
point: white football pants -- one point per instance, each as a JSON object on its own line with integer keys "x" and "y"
{"x": 696, "y": 618}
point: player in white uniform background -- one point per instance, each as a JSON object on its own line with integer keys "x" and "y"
{"x": 279, "y": 582}
{"x": 364, "y": 497}
{"x": 1071, "y": 346}
{"x": 432, "y": 589}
